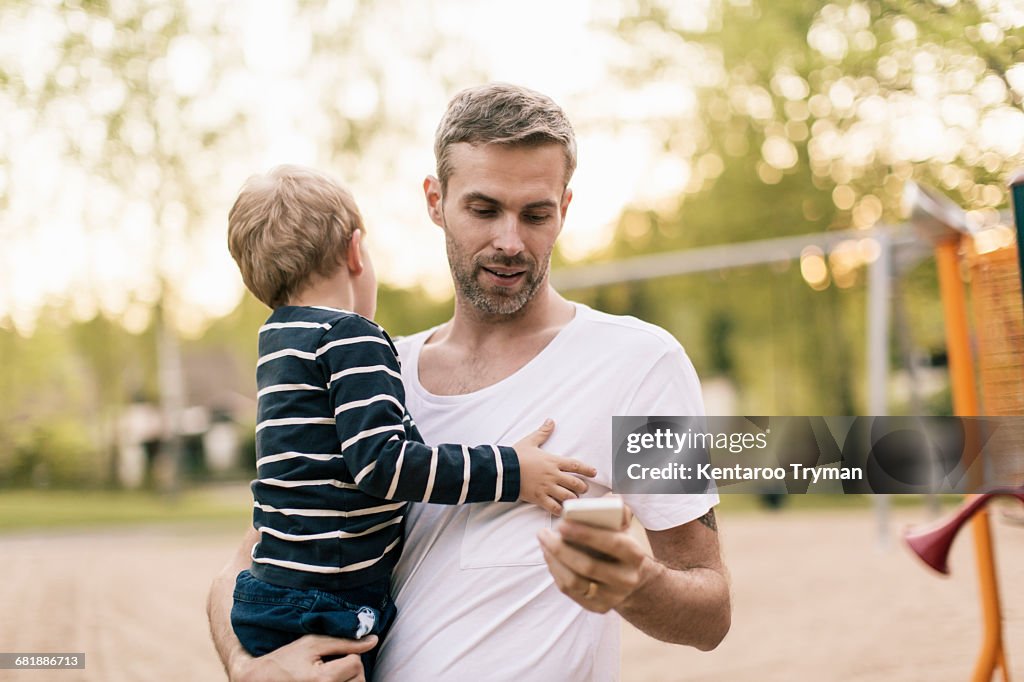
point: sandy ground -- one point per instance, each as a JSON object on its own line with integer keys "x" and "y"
{"x": 815, "y": 598}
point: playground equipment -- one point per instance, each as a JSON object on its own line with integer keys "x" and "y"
{"x": 933, "y": 542}
{"x": 999, "y": 315}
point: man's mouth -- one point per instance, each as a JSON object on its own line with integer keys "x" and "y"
{"x": 503, "y": 276}
{"x": 501, "y": 272}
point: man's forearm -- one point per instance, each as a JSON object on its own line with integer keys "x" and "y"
{"x": 219, "y": 602}
{"x": 300, "y": 661}
{"x": 680, "y": 605}
{"x": 680, "y": 594}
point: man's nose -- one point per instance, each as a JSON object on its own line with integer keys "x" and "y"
{"x": 507, "y": 238}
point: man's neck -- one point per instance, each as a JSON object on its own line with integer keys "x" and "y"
{"x": 473, "y": 350}
{"x": 473, "y": 328}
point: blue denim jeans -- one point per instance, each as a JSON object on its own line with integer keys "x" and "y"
{"x": 266, "y": 617}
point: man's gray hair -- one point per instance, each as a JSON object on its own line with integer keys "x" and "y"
{"x": 500, "y": 113}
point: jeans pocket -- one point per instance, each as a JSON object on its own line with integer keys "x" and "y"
{"x": 266, "y": 617}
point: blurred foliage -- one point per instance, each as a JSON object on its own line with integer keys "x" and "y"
{"x": 854, "y": 94}
{"x": 55, "y": 453}
{"x": 810, "y": 118}
{"x": 60, "y": 391}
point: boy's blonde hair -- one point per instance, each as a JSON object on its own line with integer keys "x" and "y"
{"x": 505, "y": 114}
{"x": 287, "y": 226}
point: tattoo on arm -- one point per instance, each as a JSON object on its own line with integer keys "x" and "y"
{"x": 709, "y": 520}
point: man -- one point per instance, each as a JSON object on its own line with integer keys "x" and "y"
{"x": 492, "y": 591}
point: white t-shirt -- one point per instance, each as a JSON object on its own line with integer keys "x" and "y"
{"x": 475, "y": 598}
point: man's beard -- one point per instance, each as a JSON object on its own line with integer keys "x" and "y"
{"x": 495, "y": 301}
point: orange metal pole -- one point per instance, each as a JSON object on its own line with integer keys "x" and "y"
{"x": 965, "y": 404}
{"x": 992, "y": 654}
{"x": 958, "y": 345}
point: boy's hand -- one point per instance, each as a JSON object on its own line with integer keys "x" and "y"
{"x": 546, "y": 480}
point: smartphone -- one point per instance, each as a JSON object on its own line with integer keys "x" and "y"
{"x": 603, "y": 512}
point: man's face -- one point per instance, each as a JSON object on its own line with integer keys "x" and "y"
{"x": 501, "y": 214}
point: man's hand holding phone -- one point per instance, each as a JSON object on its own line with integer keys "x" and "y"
{"x": 590, "y": 554}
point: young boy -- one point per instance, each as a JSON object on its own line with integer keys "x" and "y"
{"x": 338, "y": 456}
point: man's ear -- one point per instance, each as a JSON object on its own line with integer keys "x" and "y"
{"x": 432, "y": 193}
{"x": 354, "y": 256}
{"x": 566, "y": 199}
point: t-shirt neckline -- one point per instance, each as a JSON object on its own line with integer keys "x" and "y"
{"x": 553, "y": 345}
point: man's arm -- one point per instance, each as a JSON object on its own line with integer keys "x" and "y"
{"x": 300, "y": 661}
{"x": 687, "y": 574}
{"x": 680, "y": 594}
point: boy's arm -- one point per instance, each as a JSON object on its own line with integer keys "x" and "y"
{"x": 365, "y": 386}
{"x": 300, "y": 660}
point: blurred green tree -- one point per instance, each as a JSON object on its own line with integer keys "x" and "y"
{"x": 794, "y": 118}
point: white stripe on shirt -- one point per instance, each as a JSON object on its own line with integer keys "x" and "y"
{"x": 290, "y": 421}
{"x": 269, "y": 459}
{"x": 363, "y": 403}
{"x": 346, "y": 342}
{"x": 312, "y": 568}
{"x": 369, "y": 432}
{"x": 286, "y": 352}
{"x": 333, "y": 310}
{"x": 289, "y": 387}
{"x": 365, "y": 370}
{"x": 365, "y": 472}
{"x": 277, "y": 482}
{"x": 294, "y": 325}
{"x": 465, "y": 475}
{"x": 330, "y": 535}
{"x": 398, "y": 472}
{"x": 370, "y": 562}
{"x": 365, "y": 511}
{"x": 500, "y": 467}
{"x": 433, "y": 472}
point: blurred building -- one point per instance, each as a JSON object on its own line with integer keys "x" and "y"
{"x": 215, "y": 428}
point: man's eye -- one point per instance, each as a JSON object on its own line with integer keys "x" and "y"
{"x": 534, "y": 218}
{"x": 482, "y": 212}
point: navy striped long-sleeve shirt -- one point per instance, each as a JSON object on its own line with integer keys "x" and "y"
{"x": 338, "y": 455}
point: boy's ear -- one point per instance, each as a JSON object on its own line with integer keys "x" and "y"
{"x": 432, "y": 193}
{"x": 354, "y": 256}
